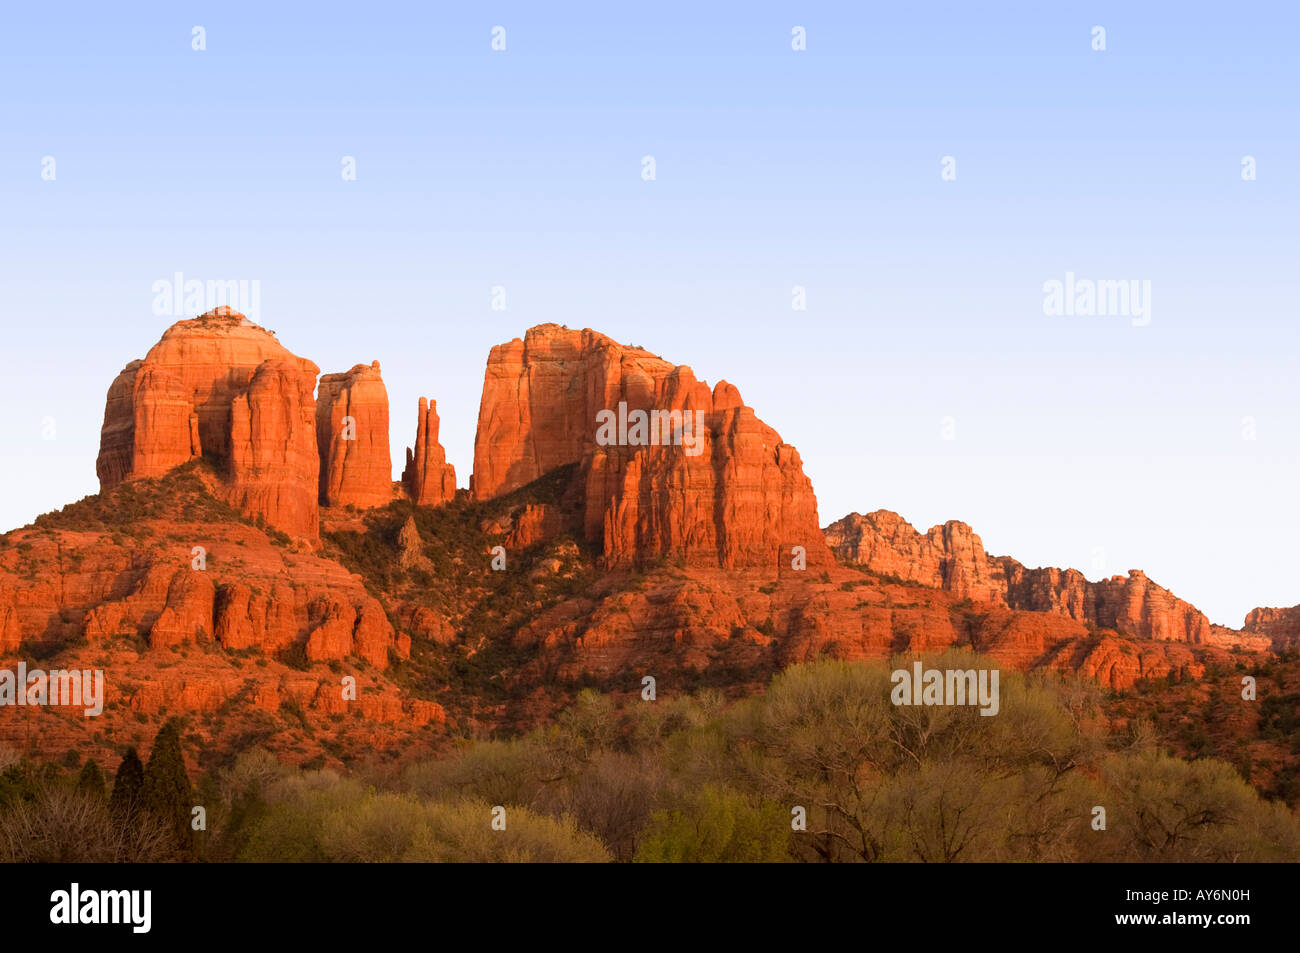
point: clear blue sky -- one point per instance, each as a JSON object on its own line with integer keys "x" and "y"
{"x": 1079, "y": 441}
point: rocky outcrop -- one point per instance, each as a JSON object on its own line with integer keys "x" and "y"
{"x": 411, "y": 548}
{"x": 188, "y": 615}
{"x": 668, "y": 468}
{"x": 428, "y": 477}
{"x": 117, "y": 436}
{"x": 352, "y": 436}
{"x": 948, "y": 557}
{"x": 273, "y": 461}
{"x": 952, "y": 557}
{"x": 220, "y": 388}
{"x": 1280, "y": 626}
{"x": 254, "y": 596}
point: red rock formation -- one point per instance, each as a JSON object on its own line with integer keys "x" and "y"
{"x": 721, "y": 490}
{"x": 117, "y": 436}
{"x": 221, "y": 388}
{"x": 274, "y": 467}
{"x": 253, "y": 595}
{"x": 740, "y": 619}
{"x": 188, "y": 613}
{"x": 951, "y": 557}
{"x": 428, "y": 477}
{"x": 535, "y": 523}
{"x": 352, "y": 434}
{"x": 540, "y": 397}
{"x": 1280, "y": 626}
{"x": 245, "y": 619}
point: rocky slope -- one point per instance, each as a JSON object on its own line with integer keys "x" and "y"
{"x": 188, "y": 608}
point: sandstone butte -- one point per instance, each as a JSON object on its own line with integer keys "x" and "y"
{"x": 352, "y": 434}
{"x": 223, "y": 389}
{"x": 220, "y": 388}
{"x": 742, "y": 501}
{"x": 951, "y": 557}
{"x": 428, "y": 477}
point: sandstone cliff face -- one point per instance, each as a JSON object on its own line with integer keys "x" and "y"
{"x": 722, "y": 490}
{"x": 274, "y": 467}
{"x": 1280, "y": 626}
{"x": 952, "y": 557}
{"x": 117, "y": 436}
{"x": 948, "y": 557}
{"x": 352, "y": 435}
{"x": 220, "y": 388}
{"x": 428, "y": 477}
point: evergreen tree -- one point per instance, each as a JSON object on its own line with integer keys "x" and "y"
{"x": 127, "y": 786}
{"x": 91, "y": 781}
{"x": 167, "y": 792}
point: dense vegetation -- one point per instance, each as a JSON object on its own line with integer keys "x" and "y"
{"x": 698, "y": 779}
{"x": 1207, "y": 718}
{"x": 455, "y": 579}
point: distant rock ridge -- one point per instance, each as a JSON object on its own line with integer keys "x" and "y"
{"x": 737, "y": 497}
{"x": 951, "y": 557}
{"x": 1280, "y": 626}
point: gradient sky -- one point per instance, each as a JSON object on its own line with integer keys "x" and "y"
{"x": 1079, "y": 441}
